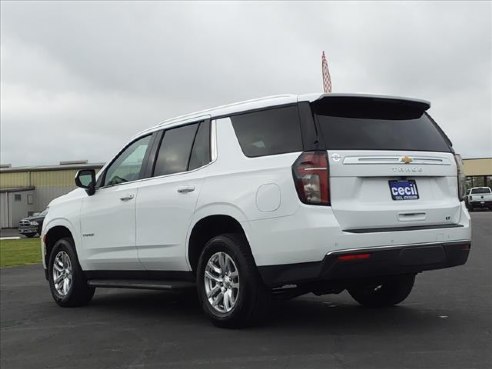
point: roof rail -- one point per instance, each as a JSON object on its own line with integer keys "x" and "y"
{"x": 73, "y": 162}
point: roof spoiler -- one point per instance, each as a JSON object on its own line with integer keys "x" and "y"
{"x": 424, "y": 104}
{"x": 366, "y": 106}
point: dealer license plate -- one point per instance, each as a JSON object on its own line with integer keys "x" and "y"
{"x": 403, "y": 189}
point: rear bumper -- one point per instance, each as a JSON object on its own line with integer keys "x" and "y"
{"x": 375, "y": 262}
{"x": 480, "y": 204}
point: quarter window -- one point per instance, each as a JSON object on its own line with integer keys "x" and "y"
{"x": 128, "y": 166}
{"x": 268, "y": 132}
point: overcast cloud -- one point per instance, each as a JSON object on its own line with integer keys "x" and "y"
{"x": 79, "y": 78}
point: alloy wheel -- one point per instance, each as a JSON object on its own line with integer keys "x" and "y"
{"x": 221, "y": 281}
{"x": 62, "y": 273}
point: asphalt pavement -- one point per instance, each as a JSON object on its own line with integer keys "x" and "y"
{"x": 10, "y": 233}
{"x": 445, "y": 323}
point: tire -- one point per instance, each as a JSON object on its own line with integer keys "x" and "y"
{"x": 75, "y": 291}
{"x": 29, "y": 235}
{"x": 389, "y": 292}
{"x": 246, "y": 299}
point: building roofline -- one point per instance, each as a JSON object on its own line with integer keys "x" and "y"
{"x": 17, "y": 189}
{"x": 42, "y": 168}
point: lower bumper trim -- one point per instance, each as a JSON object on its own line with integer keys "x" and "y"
{"x": 402, "y": 229}
{"x": 382, "y": 261}
{"x": 480, "y": 204}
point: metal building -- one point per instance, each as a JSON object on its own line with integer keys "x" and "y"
{"x": 27, "y": 190}
{"x": 478, "y": 172}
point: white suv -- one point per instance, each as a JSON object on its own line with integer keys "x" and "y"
{"x": 274, "y": 197}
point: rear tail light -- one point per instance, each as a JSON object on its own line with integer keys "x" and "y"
{"x": 311, "y": 177}
{"x": 461, "y": 176}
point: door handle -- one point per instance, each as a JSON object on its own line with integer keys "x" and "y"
{"x": 126, "y": 198}
{"x": 186, "y": 189}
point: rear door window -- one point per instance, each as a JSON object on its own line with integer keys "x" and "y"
{"x": 377, "y": 124}
{"x": 183, "y": 148}
{"x": 268, "y": 132}
{"x": 174, "y": 151}
{"x": 200, "y": 154}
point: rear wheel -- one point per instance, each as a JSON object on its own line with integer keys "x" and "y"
{"x": 231, "y": 291}
{"x": 390, "y": 291}
{"x": 66, "y": 279}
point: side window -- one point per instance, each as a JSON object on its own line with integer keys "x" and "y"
{"x": 174, "y": 151}
{"x": 128, "y": 165}
{"x": 268, "y": 132}
{"x": 200, "y": 154}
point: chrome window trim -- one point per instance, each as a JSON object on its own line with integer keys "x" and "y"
{"x": 213, "y": 151}
{"x": 213, "y": 140}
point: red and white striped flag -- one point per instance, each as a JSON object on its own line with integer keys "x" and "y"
{"x": 326, "y": 74}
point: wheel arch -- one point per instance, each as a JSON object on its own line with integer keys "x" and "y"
{"x": 208, "y": 227}
{"x": 54, "y": 232}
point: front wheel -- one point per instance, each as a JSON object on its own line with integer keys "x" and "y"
{"x": 231, "y": 291}
{"x": 390, "y": 291}
{"x": 66, "y": 279}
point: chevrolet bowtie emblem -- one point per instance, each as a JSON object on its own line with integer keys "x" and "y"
{"x": 406, "y": 159}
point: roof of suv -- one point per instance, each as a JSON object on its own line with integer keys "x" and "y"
{"x": 264, "y": 102}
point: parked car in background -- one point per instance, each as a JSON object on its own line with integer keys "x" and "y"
{"x": 32, "y": 225}
{"x": 274, "y": 197}
{"x": 479, "y": 197}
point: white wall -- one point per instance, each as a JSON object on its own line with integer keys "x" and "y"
{"x": 4, "y": 210}
{"x": 44, "y": 195}
{"x": 13, "y": 211}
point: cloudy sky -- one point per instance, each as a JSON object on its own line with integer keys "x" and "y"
{"x": 79, "y": 78}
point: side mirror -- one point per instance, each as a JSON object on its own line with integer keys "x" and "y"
{"x": 86, "y": 178}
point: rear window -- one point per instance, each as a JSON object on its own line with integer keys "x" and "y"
{"x": 480, "y": 190}
{"x": 377, "y": 124}
{"x": 268, "y": 132}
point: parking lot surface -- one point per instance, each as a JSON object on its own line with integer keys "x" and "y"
{"x": 445, "y": 323}
{"x": 10, "y": 233}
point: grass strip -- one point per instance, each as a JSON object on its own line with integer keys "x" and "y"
{"x": 20, "y": 252}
